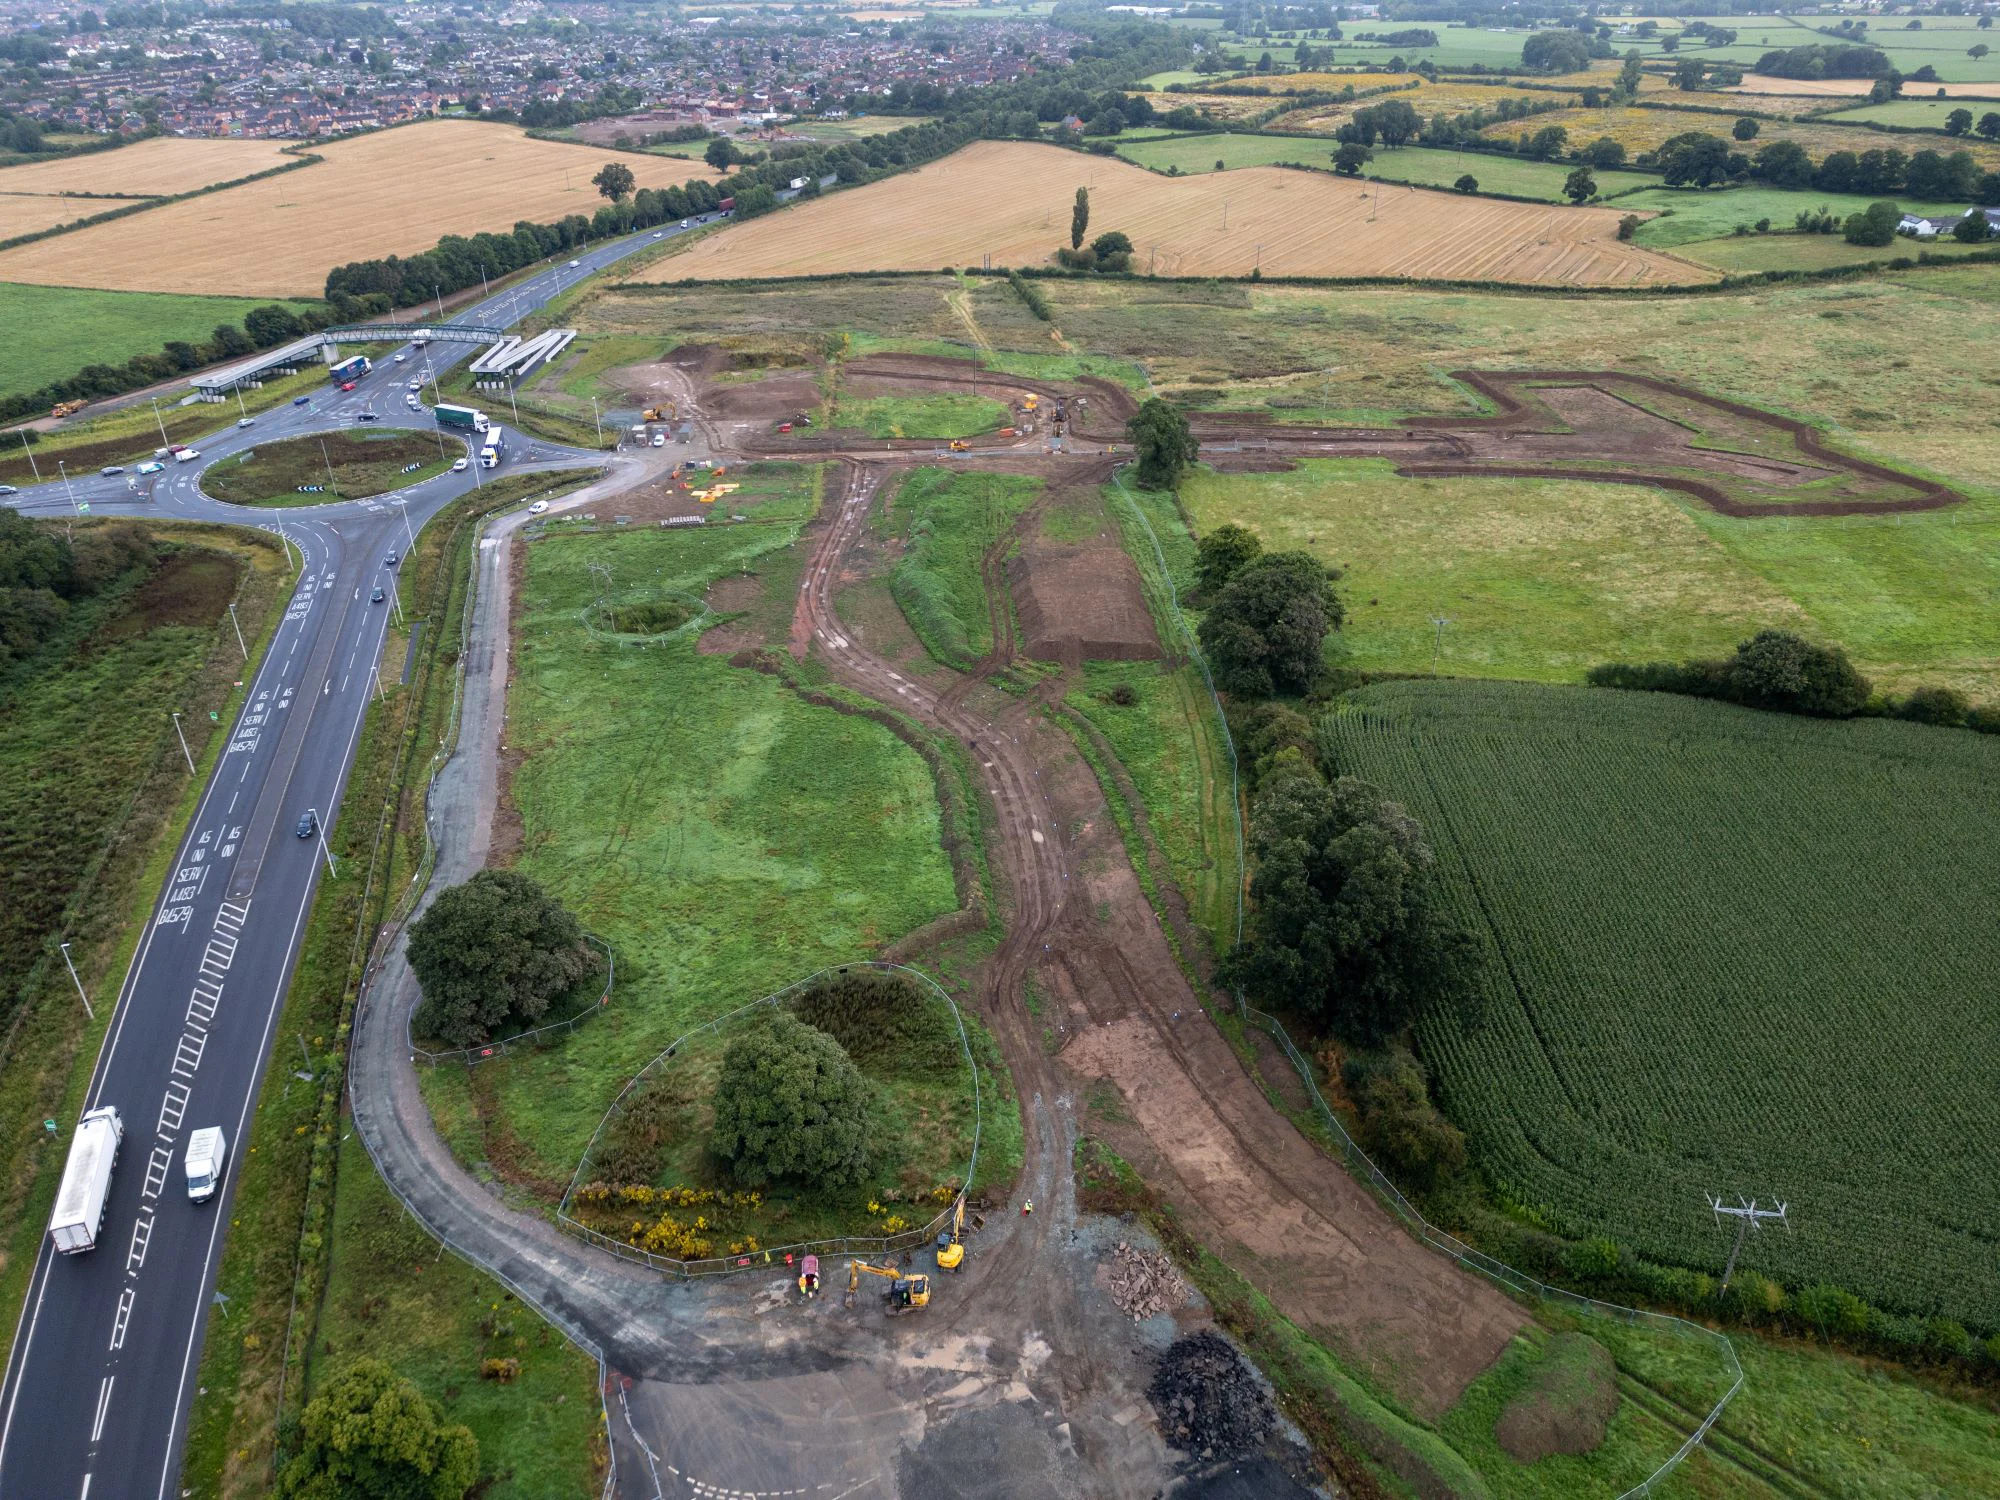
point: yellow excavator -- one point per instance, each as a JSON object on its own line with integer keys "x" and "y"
{"x": 664, "y": 412}
{"x": 906, "y": 1293}
{"x": 951, "y": 1242}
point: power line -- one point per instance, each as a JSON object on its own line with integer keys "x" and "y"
{"x": 1748, "y": 1216}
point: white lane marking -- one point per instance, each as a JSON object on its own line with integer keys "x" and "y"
{"x": 123, "y": 1317}
{"x": 103, "y": 1408}
{"x": 86, "y": 1488}
{"x": 142, "y": 1236}
{"x": 157, "y": 1166}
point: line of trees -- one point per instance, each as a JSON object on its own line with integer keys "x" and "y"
{"x": 1785, "y": 673}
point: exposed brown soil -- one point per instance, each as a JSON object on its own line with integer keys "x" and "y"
{"x": 1081, "y": 602}
{"x": 729, "y": 596}
{"x": 1568, "y": 1405}
{"x": 1322, "y": 1248}
{"x": 1600, "y": 426}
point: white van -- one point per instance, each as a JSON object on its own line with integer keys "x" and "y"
{"x": 186, "y": 455}
{"x": 207, "y": 1154}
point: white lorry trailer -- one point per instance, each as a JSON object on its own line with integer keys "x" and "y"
{"x": 86, "y": 1180}
{"x": 207, "y": 1152}
{"x": 496, "y": 447}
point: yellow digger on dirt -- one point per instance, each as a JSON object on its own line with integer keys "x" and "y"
{"x": 906, "y": 1293}
{"x": 959, "y": 445}
{"x": 951, "y": 1242}
{"x": 665, "y": 412}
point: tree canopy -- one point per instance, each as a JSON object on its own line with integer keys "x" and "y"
{"x": 1265, "y": 630}
{"x": 1219, "y": 554}
{"x": 1776, "y": 669}
{"x": 1555, "y": 52}
{"x": 496, "y": 948}
{"x": 1349, "y": 924}
{"x": 791, "y": 1104}
{"x": 372, "y": 1435}
{"x": 614, "y": 180}
{"x": 1079, "y": 218}
{"x": 1160, "y": 437}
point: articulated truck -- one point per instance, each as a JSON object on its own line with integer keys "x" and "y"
{"x": 86, "y": 1181}
{"x": 463, "y": 417}
{"x": 495, "y": 448}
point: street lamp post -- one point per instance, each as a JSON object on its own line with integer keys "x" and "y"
{"x": 239, "y": 632}
{"x": 28, "y": 448}
{"x": 331, "y": 488}
{"x": 597, "y": 417}
{"x": 77, "y": 982}
{"x": 66, "y": 486}
{"x": 161, "y": 420}
{"x": 182, "y": 737}
{"x": 319, "y": 827}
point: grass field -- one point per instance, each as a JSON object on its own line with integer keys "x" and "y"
{"x": 1011, "y": 202}
{"x": 434, "y": 1319}
{"x": 393, "y": 192}
{"x": 924, "y": 416}
{"x": 1514, "y": 176}
{"x": 1542, "y": 579}
{"x": 1925, "y": 114}
{"x": 1743, "y": 255}
{"x": 1687, "y": 214}
{"x": 1725, "y": 952}
{"x": 157, "y": 168}
{"x": 947, "y": 519}
{"x": 724, "y": 836}
{"x": 334, "y": 466}
{"x": 1640, "y": 130}
{"x": 52, "y": 332}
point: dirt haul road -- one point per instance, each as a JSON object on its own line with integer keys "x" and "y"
{"x": 1321, "y": 1247}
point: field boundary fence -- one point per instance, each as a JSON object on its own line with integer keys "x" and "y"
{"x": 851, "y": 1245}
{"x": 1357, "y": 1160}
{"x": 539, "y": 1036}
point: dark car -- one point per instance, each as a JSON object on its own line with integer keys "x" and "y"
{"x": 368, "y": 416}
{"x": 308, "y": 825}
{"x": 377, "y": 597}
{"x": 302, "y": 401}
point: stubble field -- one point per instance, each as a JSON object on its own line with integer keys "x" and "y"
{"x": 391, "y": 193}
{"x": 1010, "y": 202}
{"x": 156, "y": 168}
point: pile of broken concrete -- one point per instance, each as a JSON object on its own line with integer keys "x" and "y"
{"x": 1144, "y": 1283}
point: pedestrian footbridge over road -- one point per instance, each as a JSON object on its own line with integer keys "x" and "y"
{"x": 214, "y": 385}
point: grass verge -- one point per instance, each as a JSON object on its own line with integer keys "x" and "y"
{"x": 330, "y": 466}
{"x": 948, "y": 519}
{"x": 275, "y": 1262}
{"x": 139, "y": 785}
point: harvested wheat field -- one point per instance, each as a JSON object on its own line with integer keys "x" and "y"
{"x": 391, "y": 193}
{"x": 1852, "y": 88}
{"x": 24, "y": 214}
{"x": 1011, "y": 202}
{"x": 156, "y": 168}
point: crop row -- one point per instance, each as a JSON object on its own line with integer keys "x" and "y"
{"x": 1726, "y": 953}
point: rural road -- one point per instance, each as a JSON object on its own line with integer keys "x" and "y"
{"x": 100, "y": 1377}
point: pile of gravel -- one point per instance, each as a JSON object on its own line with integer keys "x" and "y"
{"x": 1210, "y": 1403}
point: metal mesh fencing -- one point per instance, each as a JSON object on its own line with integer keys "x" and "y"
{"x": 854, "y": 1245}
{"x": 539, "y": 1037}
{"x": 1357, "y": 1160}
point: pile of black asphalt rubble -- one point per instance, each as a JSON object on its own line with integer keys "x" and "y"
{"x": 1209, "y": 1402}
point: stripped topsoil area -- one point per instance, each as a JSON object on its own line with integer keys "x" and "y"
{"x": 1118, "y": 1006}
